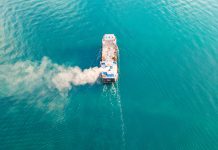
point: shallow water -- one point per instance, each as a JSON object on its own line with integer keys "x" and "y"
{"x": 166, "y": 96}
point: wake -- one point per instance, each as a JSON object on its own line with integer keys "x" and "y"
{"x": 111, "y": 93}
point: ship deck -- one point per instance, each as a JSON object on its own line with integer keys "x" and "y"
{"x": 109, "y": 59}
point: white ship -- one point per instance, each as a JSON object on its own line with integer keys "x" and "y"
{"x": 108, "y": 64}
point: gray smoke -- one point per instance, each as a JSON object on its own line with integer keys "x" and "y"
{"x": 66, "y": 77}
{"x": 42, "y": 84}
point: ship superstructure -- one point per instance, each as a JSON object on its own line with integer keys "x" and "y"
{"x": 109, "y": 58}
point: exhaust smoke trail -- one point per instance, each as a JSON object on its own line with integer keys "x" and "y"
{"x": 44, "y": 84}
{"x": 75, "y": 76}
{"x": 30, "y": 75}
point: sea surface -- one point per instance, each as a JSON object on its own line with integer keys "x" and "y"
{"x": 166, "y": 97}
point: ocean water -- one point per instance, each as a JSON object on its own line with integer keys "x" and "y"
{"x": 167, "y": 94}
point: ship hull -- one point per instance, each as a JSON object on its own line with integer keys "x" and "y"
{"x": 108, "y": 64}
{"x": 108, "y": 81}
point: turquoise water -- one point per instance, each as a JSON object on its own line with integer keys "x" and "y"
{"x": 167, "y": 94}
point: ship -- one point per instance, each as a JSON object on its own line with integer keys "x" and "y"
{"x": 109, "y": 59}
